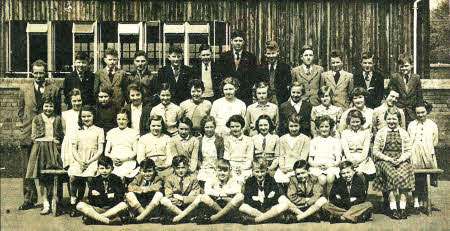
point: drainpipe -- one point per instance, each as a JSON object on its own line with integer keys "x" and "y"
{"x": 415, "y": 35}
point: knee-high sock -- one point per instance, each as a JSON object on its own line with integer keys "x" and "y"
{"x": 115, "y": 210}
{"x": 133, "y": 202}
{"x": 211, "y": 203}
{"x": 189, "y": 209}
{"x": 245, "y": 208}
{"x": 90, "y": 212}
{"x": 273, "y": 212}
{"x": 313, "y": 209}
{"x": 155, "y": 202}
{"x": 171, "y": 207}
{"x": 234, "y": 203}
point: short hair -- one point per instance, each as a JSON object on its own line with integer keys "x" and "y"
{"x": 272, "y": 46}
{"x": 204, "y": 47}
{"x": 156, "y": 118}
{"x": 123, "y": 110}
{"x": 238, "y": 34}
{"x": 178, "y": 159}
{"x": 324, "y": 90}
{"x": 165, "y": 87}
{"x": 306, "y": 48}
{"x": 175, "y": 49}
{"x": 223, "y": 164}
{"x": 301, "y": 164}
{"x": 389, "y": 89}
{"x": 111, "y": 52}
{"x": 404, "y": 58}
{"x": 294, "y": 118}
{"x": 146, "y": 164}
{"x": 259, "y": 163}
{"x": 264, "y": 84}
{"x": 393, "y": 111}
{"x": 105, "y": 161}
{"x": 196, "y": 83}
{"x": 230, "y": 80}
{"x": 425, "y": 104}
{"x": 135, "y": 87}
{"x": 359, "y": 91}
{"x": 106, "y": 90}
{"x": 269, "y": 120}
{"x": 205, "y": 120}
{"x": 237, "y": 119}
{"x": 39, "y": 63}
{"x": 88, "y": 108}
{"x": 185, "y": 120}
{"x": 368, "y": 55}
{"x": 355, "y": 113}
{"x": 335, "y": 54}
{"x": 81, "y": 55}
{"x": 345, "y": 164}
{"x": 140, "y": 53}
{"x": 298, "y": 84}
{"x": 322, "y": 119}
{"x": 48, "y": 99}
{"x": 75, "y": 92}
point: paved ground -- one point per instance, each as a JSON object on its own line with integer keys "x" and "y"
{"x": 12, "y": 219}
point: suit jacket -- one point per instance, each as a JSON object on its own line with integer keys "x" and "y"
{"x": 111, "y": 196}
{"x": 271, "y": 193}
{"x": 216, "y": 77}
{"x": 187, "y": 187}
{"x": 118, "y": 85}
{"x": 375, "y": 89}
{"x": 137, "y": 185}
{"x": 180, "y": 91}
{"x": 286, "y": 110}
{"x": 244, "y": 72}
{"x": 297, "y": 194}
{"x": 410, "y": 94}
{"x": 86, "y": 88}
{"x": 312, "y": 82}
{"x": 282, "y": 79}
{"x": 341, "y": 90}
{"x": 29, "y": 107}
{"x": 147, "y": 81}
{"x": 143, "y": 126}
{"x": 340, "y": 196}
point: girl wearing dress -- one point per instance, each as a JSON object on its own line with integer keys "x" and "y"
{"x": 266, "y": 144}
{"x": 223, "y": 108}
{"x": 87, "y": 147}
{"x": 211, "y": 149}
{"x": 392, "y": 147}
{"x": 106, "y": 111}
{"x": 358, "y": 97}
{"x": 261, "y": 107}
{"x": 155, "y": 145}
{"x": 185, "y": 143}
{"x": 169, "y": 111}
{"x": 424, "y": 136}
{"x": 47, "y": 133}
{"x": 121, "y": 147}
{"x": 69, "y": 121}
{"x": 325, "y": 153}
{"x": 325, "y": 108}
{"x": 294, "y": 146}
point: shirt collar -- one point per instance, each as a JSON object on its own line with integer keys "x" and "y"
{"x": 240, "y": 138}
{"x": 262, "y": 105}
{"x": 139, "y": 108}
{"x": 36, "y": 85}
{"x": 293, "y": 104}
{"x": 393, "y": 130}
{"x": 184, "y": 139}
{"x": 213, "y": 138}
{"x": 306, "y": 68}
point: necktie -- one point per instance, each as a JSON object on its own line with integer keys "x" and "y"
{"x": 270, "y": 69}
{"x": 106, "y": 186}
{"x": 206, "y": 67}
{"x": 308, "y": 71}
{"x": 260, "y": 186}
{"x": 110, "y": 75}
{"x": 349, "y": 185}
{"x": 406, "y": 79}
{"x": 237, "y": 55}
{"x": 181, "y": 185}
{"x": 176, "y": 72}
{"x": 264, "y": 145}
{"x": 366, "y": 76}
{"x": 336, "y": 77}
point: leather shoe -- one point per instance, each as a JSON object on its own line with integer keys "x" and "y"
{"x": 403, "y": 214}
{"x": 415, "y": 211}
{"x": 395, "y": 214}
{"x": 26, "y": 206}
{"x": 87, "y": 220}
{"x": 45, "y": 211}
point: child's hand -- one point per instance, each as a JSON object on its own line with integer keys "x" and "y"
{"x": 117, "y": 162}
{"x": 178, "y": 197}
{"x": 95, "y": 193}
{"x": 56, "y": 141}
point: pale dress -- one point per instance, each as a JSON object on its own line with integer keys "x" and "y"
{"x": 222, "y": 110}
{"x": 425, "y": 137}
{"x": 355, "y": 145}
{"x": 334, "y": 112}
{"x": 325, "y": 150}
{"x": 122, "y": 142}
{"x": 292, "y": 149}
{"x": 70, "y": 118}
{"x": 209, "y": 158}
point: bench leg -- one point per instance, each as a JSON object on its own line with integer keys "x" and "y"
{"x": 428, "y": 195}
{"x": 55, "y": 195}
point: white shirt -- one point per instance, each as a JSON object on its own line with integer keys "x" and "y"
{"x": 369, "y": 79}
{"x": 136, "y": 113}
{"x": 296, "y": 105}
{"x": 207, "y": 80}
{"x": 41, "y": 89}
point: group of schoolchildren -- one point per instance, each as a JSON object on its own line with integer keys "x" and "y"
{"x": 305, "y": 158}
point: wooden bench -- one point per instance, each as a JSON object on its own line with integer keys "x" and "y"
{"x": 56, "y": 173}
{"x": 428, "y": 173}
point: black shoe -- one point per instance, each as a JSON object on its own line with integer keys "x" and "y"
{"x": 202, "y": 219}
{"x": 247, "y": 220}
{"x": 335, "y": 219}
{"x": 415, "y": 211}
{"x": 116, "y": 221}
{"x": 423, "y": 210}
{"x": 74, "y": 212}
{"x": 290, "y": 219}
{"x": 365, "y": 216}
{"x": 26, "y": 206}
{"x": 87, "y": 220}
{"x": 166, "y": 220}
{"x": 395, "y": 214}
{"x": 403, "y": 214}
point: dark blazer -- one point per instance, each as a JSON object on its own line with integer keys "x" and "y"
{"x": 29, "y": 107}
{"x": 137, "y": 184}
{"x": 115, "y": 188}
{"x": 297, "y": 194}
{"x": 86, "y": 88}
{"x": 282, "y": 79}
{"x": 180, "y": 91}
{"x": 118, "y": 85}
{"x": 245, "y": 73}
{"x": 220, "y": 148}
{"x": 270, "y": 187}
{"x": 410, "y": 93}
{"x": 286, "y": 109}
{"x": 147, "y": 81}
{"x": 375, "y": 89}
{"x": 216, "y": 77}
{"x": 143, "y": 126}
{"x": 340, "y": 197}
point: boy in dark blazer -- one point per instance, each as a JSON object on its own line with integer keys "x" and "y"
{"x": 371, "y": 80}
{"x": 82, "y": 79}
{"x": 295, "y": 104}
{"x": 209, "y": 73}
{"x": 106, "y": 196}
{"x": 347, "y": 201}
{"x": 176, "y": 75}
{"x": 137, "y": 107}
{"x": 241, "y": 65}
{"x": 143, "y": 76}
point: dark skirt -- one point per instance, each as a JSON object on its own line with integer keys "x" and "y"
{"x": 44, "y": 155}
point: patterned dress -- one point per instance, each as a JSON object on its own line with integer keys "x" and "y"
{"x": 390, "y": 177}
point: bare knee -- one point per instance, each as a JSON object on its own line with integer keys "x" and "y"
{"x": 238, "y": 198}
{"x": 321, "y": 201}
{"x": 283, "y": 200}
{"x": 80, "y": 205}
{"x": 158, "y": 196}
{"x": 330, "y": 178}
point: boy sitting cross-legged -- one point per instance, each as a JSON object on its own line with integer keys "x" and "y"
{"x": 222, "y": 193}
{"x": 105, "y": 196}
{"x": 180, "y": 188}
{"x": 144, "y": 192}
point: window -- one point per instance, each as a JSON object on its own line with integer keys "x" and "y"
{"x": 108, "y": 39}
{"x": 129, "y": 37}
{"x": 17, "y": 48}
{"x": 154, "y": 45}
{"x": 61, "y": 49}
{"x": 84, "y": 37}
{"x": 37, "y": 43}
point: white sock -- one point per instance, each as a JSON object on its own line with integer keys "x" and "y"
{"x": 416, "y": 203}
{"x": 46, "y": 204}
{"x": 393, "y": 205}
{"x": 73, "y": 200}
{"x": 402, "y": 204}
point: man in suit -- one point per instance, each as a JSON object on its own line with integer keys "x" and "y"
{"x": 137, "y": 110}
{"x": 210, "y": 74}
{"x": 30, "y": 105}
{"x": 176, "y": 75}
{"x": 295, "y": 104}
{"x": 111, "y": 76}
{"x": 347, "y": 201}
{"x": 309, "y": 74}
{"x": 340, "y": 81}
{"x": 82, "y": 79}
{"x": 241, "y": 65}
{"x": 409, "y": 87}
{"x": 370, "y": 80}
{"x": 143, "y": 76}
{"x": 275, "y": 73}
